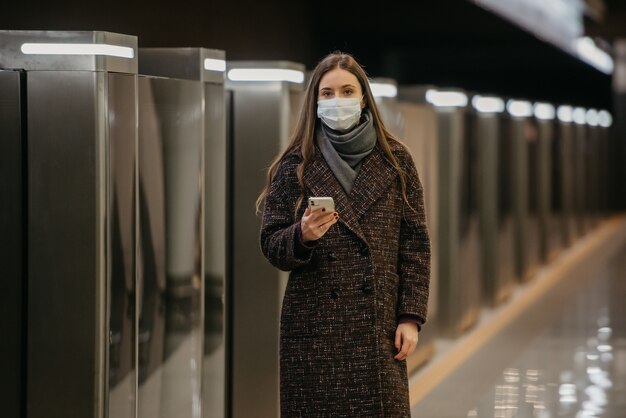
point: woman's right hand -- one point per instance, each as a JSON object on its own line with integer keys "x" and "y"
{"x": 315, "y": 224}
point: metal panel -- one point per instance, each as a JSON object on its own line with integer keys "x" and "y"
{"x": 12, "y": 255}
{"x": 496, "y": 221}
{"x": 262, "y": 115}
{"x": 182, "y": 63}
{"x": 566, "y": 161}
{"x": 171, "y": 190}
{"x": 526, "y": 199}
{"x": 421, "y": 136}
{"x": 549, "y": 239}
{"x": 121, "y": 205}
{"x": 67, "y": 244}
{"x": 580, "y": 189}
{"x": 214, "y": 363}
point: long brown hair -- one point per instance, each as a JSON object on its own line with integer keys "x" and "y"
{"x": 303, "y": 137}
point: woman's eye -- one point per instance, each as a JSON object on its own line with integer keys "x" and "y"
{"x": 347, "y": 92}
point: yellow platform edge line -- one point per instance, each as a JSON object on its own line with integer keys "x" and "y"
{"x": 607, "y": 236}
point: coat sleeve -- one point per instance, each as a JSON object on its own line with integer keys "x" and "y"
{"x": 414, "y": 249}
{"x": 279, "y": 229}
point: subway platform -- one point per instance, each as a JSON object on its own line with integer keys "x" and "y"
{"x": 557, "y": 349}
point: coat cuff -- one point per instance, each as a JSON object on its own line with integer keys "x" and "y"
{"x": 404, "y": 318}
{"x": 302, "y": 249}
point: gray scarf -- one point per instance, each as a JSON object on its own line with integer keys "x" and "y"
{"x": 344, "y": 152}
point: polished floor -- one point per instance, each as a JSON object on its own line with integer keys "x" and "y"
{"x": 564, "y": 355}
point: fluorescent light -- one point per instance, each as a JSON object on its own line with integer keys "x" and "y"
{"x": 579, "y": 115}
{"x": 519, "y": 108}
{"x": 564, "y": 113}
{"x": 592, "y": 117}
{"x": 212, "y": 64}
{"x": 605, "y": 119}
{"x": 446, "y": 98}
{"x": 78, "y": 49}
{"x": 488, "y": 104}
{"x": 383, "y": 90}
{"x": 544, "y": 111}
{"x": 590, "y": 53}
{"x": 266, "y": 74}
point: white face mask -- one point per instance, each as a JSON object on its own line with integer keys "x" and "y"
{"x": 339, "y": 114}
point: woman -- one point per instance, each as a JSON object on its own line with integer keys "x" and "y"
{"x": 358, "y": 288}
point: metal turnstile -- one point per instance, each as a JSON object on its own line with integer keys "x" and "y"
{"x": 12, "y": 224}
{"x": 564, "y": 149}
{"x": 580, "y": 170}
{"x": 75, "y": 144}
{"x": 262, "y": 113}
{"x": 420, "y": 135}
{"x": 550, "y": 239}
{"x": 459, "y": 286}
{"x": 182, "y": 256}
{"x": 524, "y": 136}
{"x": 416, "y": 126}
{"x": 493, "y": 162}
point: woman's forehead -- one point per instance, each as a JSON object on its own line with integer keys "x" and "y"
{"x": 338, "y": 77}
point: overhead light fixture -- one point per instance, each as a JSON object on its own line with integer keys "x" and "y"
{"x": 78, "y": 49}
{"x": 590, "y": 53}
{"x": 446, "y": 98}
{"x": 564, "y": 114}
{"x": 544, "y": 111}
{"x": 212, "y": 64}
{"x": 605, "y": 119}
{"x": 579, "y": 115}
{"x": 488, "y": 104}
{"x": 266, "y": 74}
{"x": 519, "y": 108}
{"x": 384, "y": 90}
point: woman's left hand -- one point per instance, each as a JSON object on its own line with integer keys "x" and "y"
{"x": 406, "y": 340}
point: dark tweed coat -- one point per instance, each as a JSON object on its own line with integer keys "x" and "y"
{"x": 343, "y": 298}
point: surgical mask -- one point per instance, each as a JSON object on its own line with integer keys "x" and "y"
{"x": 339, "y": 113}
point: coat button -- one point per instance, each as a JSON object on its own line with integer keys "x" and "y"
{"x": 332, "y": 256}
{"x": 334, "y": 293}
{"x": 367, "y": 288}
{"x": 363, "y": 249}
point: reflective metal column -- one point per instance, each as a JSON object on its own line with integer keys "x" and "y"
{"x": 202, "y": 70}
{"x": 524, "y": 135}
{"x": 81, "y": 135}
{"x": 494, "y": 199}
{"x": 547, "y": 175}
{"x": 459, "y": 297}
{"x": 12, "y": 254}
{"x": 565, "y": 149}
{"x": 262, "y": 113}
{"x": 580, "y": 173}
{"x": 421, "y": 136}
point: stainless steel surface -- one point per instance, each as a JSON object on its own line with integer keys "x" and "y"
{"x": 215, "y": 157}
{"x": 12, "y": 56}
{"x": 565, "y": 151}
{"x": 67, "y": 244}
{"x": 494, "y": 205}
{"x": 421, "y": 136}
{"x": 182, "y": 63}
{"x": 459, "y": 285}
{"x": 171, "y": 187}
{"x": 550, "y": 238}
{"x": 122, "y": 219}
{"x": 580, "y": 175}
{"x": 526, "y": 199}
{"x": 261, "y": 118}
{"x": 12, "y": 255}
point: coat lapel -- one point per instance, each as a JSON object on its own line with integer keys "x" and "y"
{"x": 319, "y": 178}
{"x": 371, "y": 182}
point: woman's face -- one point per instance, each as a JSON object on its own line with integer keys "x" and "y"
{"x": 339, "y": 83}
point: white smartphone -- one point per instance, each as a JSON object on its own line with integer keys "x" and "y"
{"x": 316, "y": 203}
